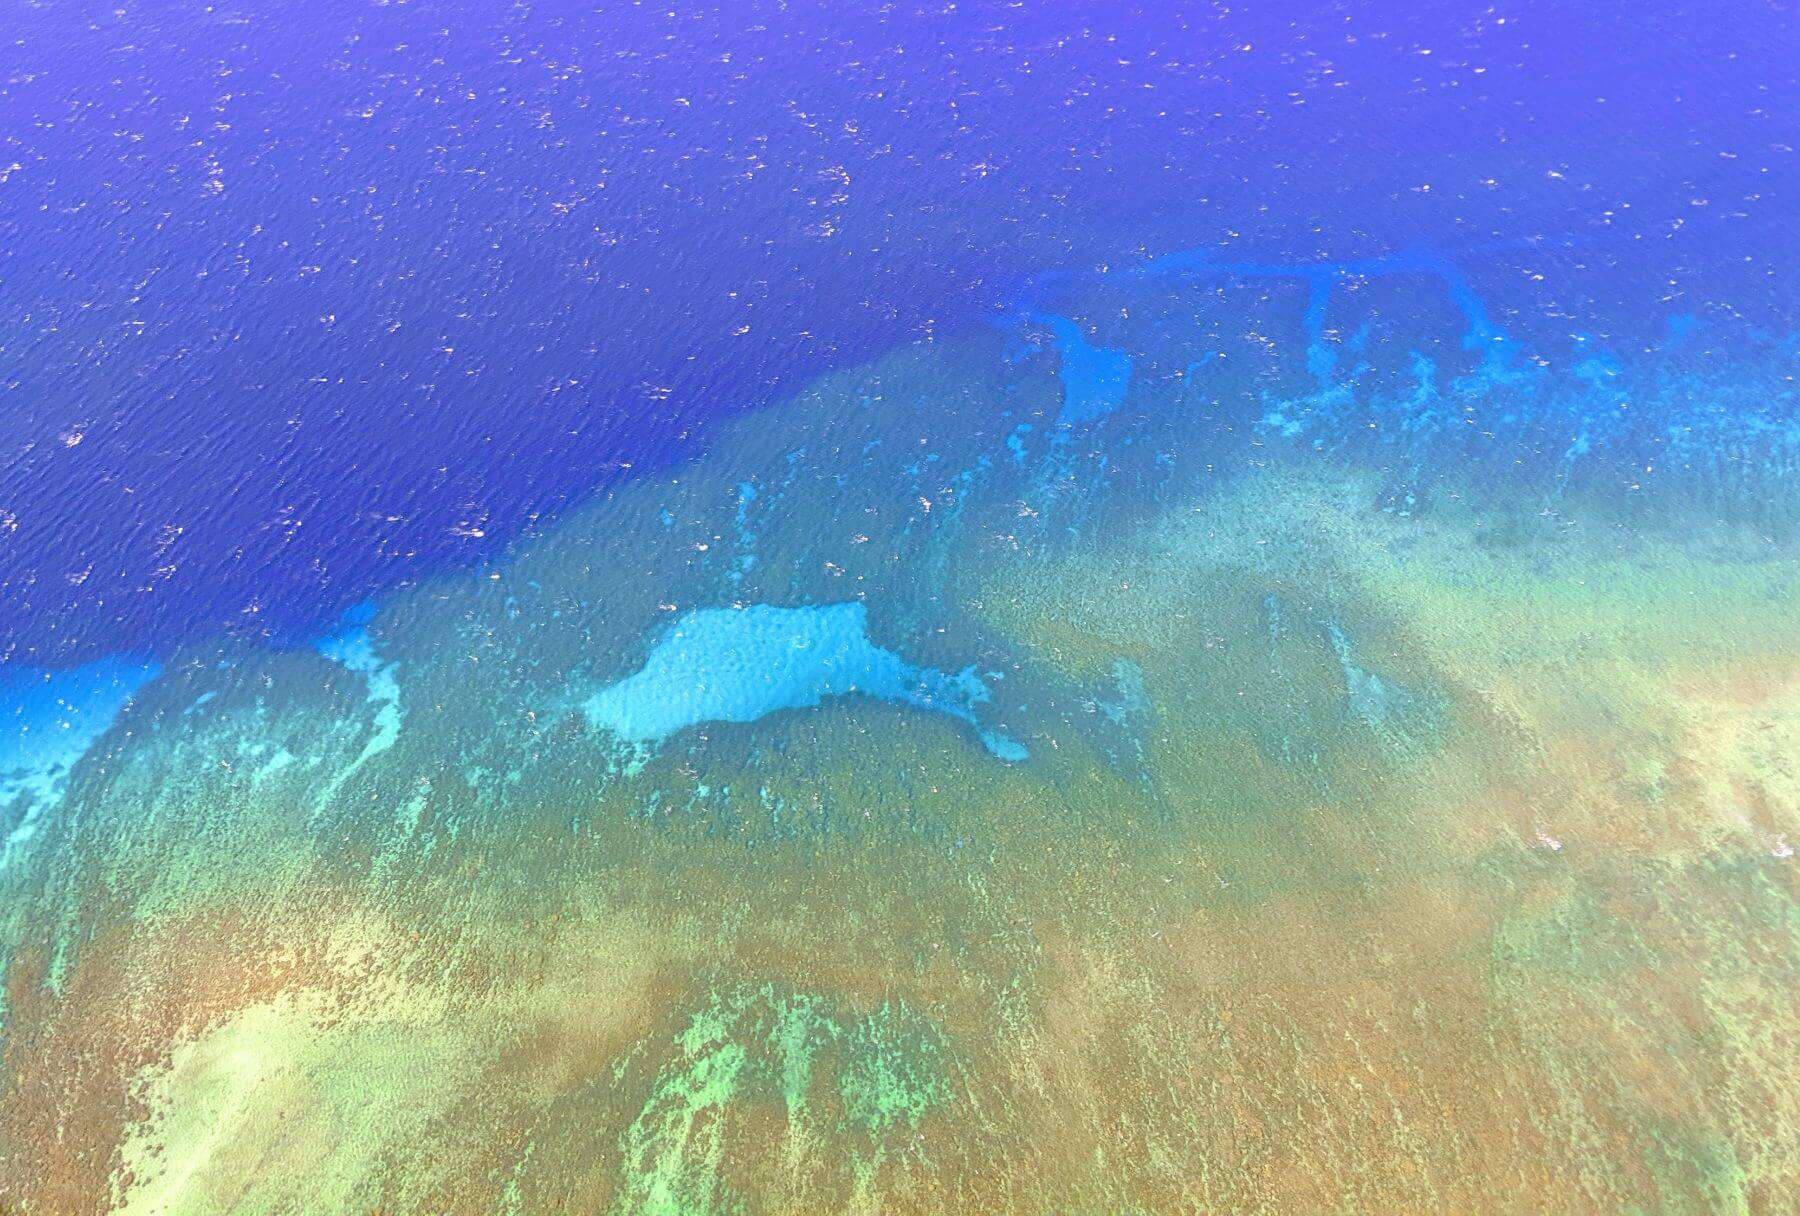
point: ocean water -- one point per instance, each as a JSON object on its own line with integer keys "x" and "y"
{"x": 969, "y": 608}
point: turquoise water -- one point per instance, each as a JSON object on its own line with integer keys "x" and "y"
{"x": 739, "y": 664}
{"x": 55, "y": 718}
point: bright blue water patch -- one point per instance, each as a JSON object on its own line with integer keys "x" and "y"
{"x": 1479, "y": 335}
{"x": 1094, "y": 378}
{"x": 746, "y": 539}
{"x": 48, "y": 721}
{"x": 354, "y": 647}
{"x": 741, "y": 664}
{"x": 1134, "y": 695}
{"x": 1397, "y": 714}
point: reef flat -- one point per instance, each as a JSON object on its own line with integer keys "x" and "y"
{"x": 1229, "y": 735}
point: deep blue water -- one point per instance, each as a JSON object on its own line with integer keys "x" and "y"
{"x": 302, "y": 302}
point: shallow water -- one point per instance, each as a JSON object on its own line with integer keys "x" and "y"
{"x": 1232, "y": 727}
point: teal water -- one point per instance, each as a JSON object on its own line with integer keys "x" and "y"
{"x": 739, "y": 664}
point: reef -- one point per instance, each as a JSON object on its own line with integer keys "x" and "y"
{"x": 1231, "y": 735}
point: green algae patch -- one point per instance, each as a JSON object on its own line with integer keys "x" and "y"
{"x": 762, "y": 1077}
{"x": 894, "y": 1071}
